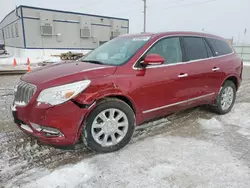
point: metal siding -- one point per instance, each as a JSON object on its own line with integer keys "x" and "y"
{"x": 1, "y": 37}
{"x": 9, "y": 21}
{"x": 103, "y": 35}
{"x": 68, "y": 24}
{"x": 68, "y": 12}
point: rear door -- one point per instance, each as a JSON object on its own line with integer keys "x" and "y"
{"x": 215, "y": 70}
{"x": 223, "y": 63}
{"x": 198, "y": 57}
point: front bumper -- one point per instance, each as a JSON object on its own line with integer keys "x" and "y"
{"x": 67, "y": 118}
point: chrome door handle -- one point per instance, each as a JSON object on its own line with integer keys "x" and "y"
{"x": 215, "y": 69}
{"x": 183, "y": 75}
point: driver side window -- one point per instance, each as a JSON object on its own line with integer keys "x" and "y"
{"x": 169, "y": 49}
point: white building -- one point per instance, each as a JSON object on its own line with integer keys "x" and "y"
{"x": 35, "y": 32}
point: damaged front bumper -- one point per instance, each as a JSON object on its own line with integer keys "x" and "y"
{"x": 55, "y": 125}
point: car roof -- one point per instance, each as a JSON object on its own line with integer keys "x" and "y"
{"x": 173, "y": 33}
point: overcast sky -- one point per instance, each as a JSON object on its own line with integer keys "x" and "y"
{"x": 227, "y": 18}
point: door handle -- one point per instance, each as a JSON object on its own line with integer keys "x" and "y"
{"x": 215, "y": 69}
{"x": 183, "y": 75}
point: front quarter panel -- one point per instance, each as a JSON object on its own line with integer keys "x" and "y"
{"x": 106, "y": 87}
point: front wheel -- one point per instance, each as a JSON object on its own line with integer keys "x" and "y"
{"x": 109, "y": 127}
{"x": 226, "y": 98}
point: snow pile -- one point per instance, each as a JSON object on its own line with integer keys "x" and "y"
{"x": 213, "y": 126}
{"x": 210, "y": 124}
{"x": 18, "y": 67}
{"x": 244, "y": 132}
{"x": 240, "y": 117}
{"x": 23, "y": 60}
{"x": 154, "y": 162}
{"x": 246, "y": 63}
{"x": 52, "y": 60}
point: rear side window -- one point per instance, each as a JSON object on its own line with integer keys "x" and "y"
{"x": 195, "y": 48}
{"x": 220, "y": 47}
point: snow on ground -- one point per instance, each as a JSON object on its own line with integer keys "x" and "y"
{"x": 241, "y": 118}
{"x": 186, "y": 155}
{"x": 158, "y": 161}
{"x": 155, "y": 162}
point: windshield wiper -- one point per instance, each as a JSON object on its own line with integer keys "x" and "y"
{"x": 93, "y": 61}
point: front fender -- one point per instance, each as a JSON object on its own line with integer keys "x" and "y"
{"x": 99, "y": 91}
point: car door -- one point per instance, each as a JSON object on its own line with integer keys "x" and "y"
{"x": 199, "y": 70}
{"x": 221, "y": 63}
{"x": 163, "y": 88}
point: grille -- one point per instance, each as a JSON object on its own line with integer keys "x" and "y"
{"x": 85, "y": 32}
{"x": 23, "y": 93}
{"x": 46, "y": 30}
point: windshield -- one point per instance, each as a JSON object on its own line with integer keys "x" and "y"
{"x": 117, "y": 51}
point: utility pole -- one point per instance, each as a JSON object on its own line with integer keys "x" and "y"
{"x": 145, "y": 15}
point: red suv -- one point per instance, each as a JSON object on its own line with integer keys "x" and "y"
{"x": 131, "y": 79}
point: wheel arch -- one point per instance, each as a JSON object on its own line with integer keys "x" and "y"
{"x": 234, "y": 79}
{"x": 123, "y": 98}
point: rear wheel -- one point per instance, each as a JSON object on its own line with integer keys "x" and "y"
{"x": 226, "y": 98}
{"x": 109, "y": 127}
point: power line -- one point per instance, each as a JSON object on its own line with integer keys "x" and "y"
{"x": 186, "y": 5}
{"x": 196, "y": 3}
{"x": 126, "y": 6}
{"x": 168, "y": 2}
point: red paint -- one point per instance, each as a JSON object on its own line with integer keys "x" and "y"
{"x": 145, "y": 88}
{"x": 152, "y": 59}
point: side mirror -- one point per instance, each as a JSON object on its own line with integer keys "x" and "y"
{"x": 153, "y": 59}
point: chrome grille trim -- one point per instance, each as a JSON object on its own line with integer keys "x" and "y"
{"x": 23, "y": 94}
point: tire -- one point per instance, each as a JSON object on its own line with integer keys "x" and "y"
{"x": 218, "y": 107}
{"x": 90, "y": 132}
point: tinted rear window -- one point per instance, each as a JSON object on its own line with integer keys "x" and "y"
{"x": 220, "y": 47}
{"x": 195, "y": 48}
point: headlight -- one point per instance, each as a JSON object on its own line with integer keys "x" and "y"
{"x": 63, "y": 93}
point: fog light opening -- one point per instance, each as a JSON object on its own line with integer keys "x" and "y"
{"x": 49, "y": 131}
{"x": 36, "y": 127}
{"x": 52, "y": 134}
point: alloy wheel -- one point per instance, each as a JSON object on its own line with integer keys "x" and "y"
{"x": 227, "y": 98}
{"x": 110, "y": 127}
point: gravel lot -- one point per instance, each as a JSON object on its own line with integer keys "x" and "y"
{"x": 194, "y": 148}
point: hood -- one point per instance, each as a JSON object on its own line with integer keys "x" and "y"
{"x": 63, "y": 73}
